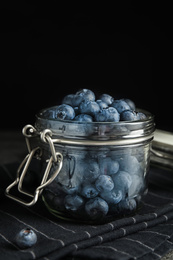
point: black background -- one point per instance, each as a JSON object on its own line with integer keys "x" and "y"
{"x": 48, "y": 51}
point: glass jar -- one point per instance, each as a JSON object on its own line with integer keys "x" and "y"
{"x": 97, "y": 171}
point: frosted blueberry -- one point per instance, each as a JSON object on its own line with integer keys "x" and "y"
{"x": 89, "y": 191}
{"x": 130, "y": 103}
{"x": 108, "y": 166}
{"x": 141, "y": 116}
{"x": 109, "y": 114}
{"x": 65, "y": 112}
{"x": 112, "y": 196}
{"x": 120, "y": 105}
{"x": 68, "y": 100}
{"x": 107, "y": 99}
{"x": 50, "y": 113}
{"x": 128, "y": 115}
{"x": 89, "y": 107}
{"x": 130, "y": 164}
{"x": 122, "y": 182}
{"x": 83, "y": 95}
{"x": 89, "y": 169}
{"x": 26, "y": 238}
{"x": 138, "y": 185}
{"x": 104, "y": 183}
{"x": 101, "y": 104}
{"x": 83, "y": 118}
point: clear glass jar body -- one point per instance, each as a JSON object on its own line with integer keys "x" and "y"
{"x": 105, "y": 168}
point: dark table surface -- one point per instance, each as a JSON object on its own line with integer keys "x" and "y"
{"x": 13, "y": 149}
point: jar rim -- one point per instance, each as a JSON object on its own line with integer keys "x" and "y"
{"x": 97, "y": 130}
{"x": 149, "y": 117}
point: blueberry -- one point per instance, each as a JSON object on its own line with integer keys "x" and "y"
{"x": 130, "y": 103}
{"x": 96, "y": 208}
{"x": 108, "y": 166}
{"x": 26, "y": 238}
{"x": 89, "y": 107}
{"x": 68, "y": 100}
{"x": 130, "y": 164}
{"x": 107, "y": 99}
{"x": 122, "y": 181}
{"x": 89, "y": 191}
{"x": 128, "y": 115}
{"x": 138, "y": 185}
{"x": 104, "y": 183}
{"x": 101, "y": 104}
{"x": 141, "y": 116}
{"x": 139, "y": 153}
{"x": 50, "y": 113}
{"x": 120, "y": 105}
{"x": 77, "y": 100}
{"x": 126, "y": 206}
{"x": 89, "y": 169}
{"x": 109, "y": 114}
{"x": 73, "y": 202}
{"x": 83, "y": 118}
{"x": 112, "y": 196}
{"x": 83, "y": 95}
{"x": 65, "y": 112}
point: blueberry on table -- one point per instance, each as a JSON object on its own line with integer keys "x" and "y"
{"x": 89, "y": 107}
{"x": 109, "y": 114}
{"x": 96, "y": 208}
{"x": 73, "y": 202}
{"x": 128, "y": 115}
{"x": 104, "y": 183}
{"x": 120, "y": 105}
{"x": 107, "y": 99}
{"x": 83, "y": 118}
{"x": 65, "y": 112}
{"x": 26, "y": 238}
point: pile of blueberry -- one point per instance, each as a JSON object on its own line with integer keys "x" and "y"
{"x": 84, "y": 107}
{"x": 97, "y": 182}
{"x": 94, "y": 185}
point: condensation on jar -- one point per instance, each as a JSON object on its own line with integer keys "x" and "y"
{"x": 105, "y": 167}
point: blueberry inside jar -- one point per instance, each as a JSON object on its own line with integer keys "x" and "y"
{"x": 106, "y": 156}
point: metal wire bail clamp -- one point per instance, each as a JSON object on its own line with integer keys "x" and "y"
{"x": 29, "y": 131}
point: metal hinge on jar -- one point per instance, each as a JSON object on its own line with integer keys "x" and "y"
{"x": 56, "y": 158}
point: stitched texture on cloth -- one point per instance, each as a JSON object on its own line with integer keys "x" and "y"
{"x": 146, "y": 235}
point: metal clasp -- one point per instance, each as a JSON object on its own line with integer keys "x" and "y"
{"x": 56, "y": 158}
